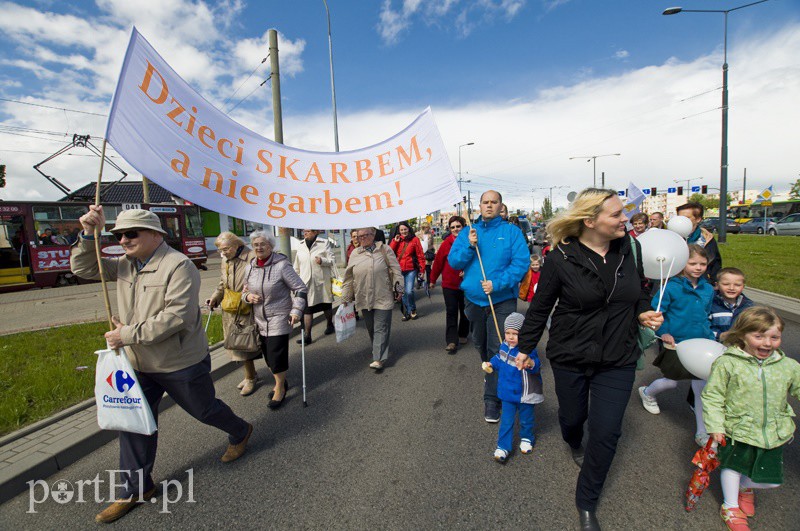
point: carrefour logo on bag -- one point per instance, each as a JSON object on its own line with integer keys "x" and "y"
{"x": 121, "y": 381}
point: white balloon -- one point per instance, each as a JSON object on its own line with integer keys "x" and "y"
{"x": 680, "y": 225}
{"x": 659, "y": 248}
{"x": 697, "y": 355}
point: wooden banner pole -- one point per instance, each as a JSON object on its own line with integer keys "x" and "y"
{"x": 97, "y": 233}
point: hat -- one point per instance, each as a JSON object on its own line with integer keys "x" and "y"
{"x": 514, "y": 321}
{"x": 137, "y": 219}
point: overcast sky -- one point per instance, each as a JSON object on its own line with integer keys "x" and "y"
{"x": 530, "y": 82}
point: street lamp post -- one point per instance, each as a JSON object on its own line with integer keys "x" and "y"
{"x": 723, "y": 170}
{"x": 460, "y": 180}
{"x": 594, "y": 158}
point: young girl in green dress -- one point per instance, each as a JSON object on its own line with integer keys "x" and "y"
{"x": 745, "y": 406}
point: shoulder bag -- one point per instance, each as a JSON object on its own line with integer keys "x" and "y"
{"x": 241, "y": 336}
{"x": 232, "y": 300}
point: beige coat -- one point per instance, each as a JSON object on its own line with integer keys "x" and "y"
{"x": 316, "y": 276}
{"x": 367, "y": 278}
{"x": 159, "y": 306}
{"x": 233, "y": 278}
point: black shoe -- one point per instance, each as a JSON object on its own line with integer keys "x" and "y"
{"x": 308, "y": 340}
{"x": 330, "y": 330}
{"x": 577, "y": 456}
{"x": 406, "y": 317}
{"x": 285, "y": 390}
{"x": 588, "y": 521}
{"x": 491, "y": 411}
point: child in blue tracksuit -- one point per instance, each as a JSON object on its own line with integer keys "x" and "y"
{"x": 729, "y": 301}
{"x": 517, "y": 389}
{"x": 686, "y": 305}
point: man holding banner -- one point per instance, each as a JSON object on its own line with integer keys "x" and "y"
{"x": 505, "y": 261}
{"x": 160, "y": 328}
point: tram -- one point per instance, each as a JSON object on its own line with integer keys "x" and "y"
{"x": 35, "y": 239}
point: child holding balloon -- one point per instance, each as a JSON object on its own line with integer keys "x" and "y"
{"x": 746, "y": 409}
{"x": 686, "y": 304}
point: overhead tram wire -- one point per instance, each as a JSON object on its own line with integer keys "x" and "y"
{"x": 52, "y": 107}
{"x": 251, "y": 93}
{"x": 264, "y": 60}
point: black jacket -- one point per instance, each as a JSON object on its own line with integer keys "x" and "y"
{"x": 590, "y": 328}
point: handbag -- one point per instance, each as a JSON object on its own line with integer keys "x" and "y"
{"x": 121, "y": 404}
{"x": 232, "y": 299}
{"x": 345, "y": 321}
{"x": 241, "y": 336}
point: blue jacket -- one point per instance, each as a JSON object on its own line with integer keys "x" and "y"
{"x": 505, "y": 258}
{"x": 686, "y": 309}
{"x": 514, "y": 385}
{"x": 724, "y": 314}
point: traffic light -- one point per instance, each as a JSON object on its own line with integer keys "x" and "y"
{"x": 680, "y": 190}
{"x": 2, "y": 175}
{"x": 653, "y": 192}
{"x": 704, "y": 189}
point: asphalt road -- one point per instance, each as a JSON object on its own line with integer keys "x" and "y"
{"x": 407, "y": 449}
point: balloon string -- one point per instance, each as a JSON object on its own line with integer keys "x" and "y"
{"x": 664, "y": 285}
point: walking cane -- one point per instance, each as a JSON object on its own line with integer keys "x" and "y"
{"x": 303, "y": 361}
{"x": 483, "y": 272}
{"x": 208, "y": 322}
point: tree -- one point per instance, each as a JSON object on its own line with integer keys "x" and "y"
{"x": 547, "y": 209}
{"x": 794, "y": 193}
{"x": 710, "y": 203}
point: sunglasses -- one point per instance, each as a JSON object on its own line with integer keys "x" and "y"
{"x": 130, "y": 234}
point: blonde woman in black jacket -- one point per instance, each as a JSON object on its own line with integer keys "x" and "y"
{"x": 599, "y": 287}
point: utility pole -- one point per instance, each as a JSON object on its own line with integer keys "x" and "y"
{"x": 602, "y": 179}
{"x": 593, "y": 159}
{"x": 687, "y": 181}
{"x": 284, "y": 243}
{"x": 744, "y": 187}
{"x": 145, "y": 190}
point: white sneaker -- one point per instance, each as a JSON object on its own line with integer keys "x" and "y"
{"x": 649, "y": 402}
{"x": 500, "y": 455}
{"x": 701, "y": 439}
{"x": 377, "y": 365}
{"x": 525, "y": 446}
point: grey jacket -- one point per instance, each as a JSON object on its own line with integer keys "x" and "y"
{"x": 370, "y": 280}
{"x": 274, "y": 283}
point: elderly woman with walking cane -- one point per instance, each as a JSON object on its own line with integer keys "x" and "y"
{"x": 235, "y": 258}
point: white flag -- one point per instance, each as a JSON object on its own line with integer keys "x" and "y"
{"x": 172, "y": 135}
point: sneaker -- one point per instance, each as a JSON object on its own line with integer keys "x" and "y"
{"x": 406, "y": 317}
{"x": 701, "y": 439}
{"x": 414, "y": 314}
{"x": 747, "y": 502}
{"x": 377, "y": 365}
{"x": 649, "y": 403}
{"x": 491, "y": 412}
{"x": 500, "y": 456}
{"x": 120, "y": 508}
{"x": 734, "y": 518}
{"x": 451, "y": 348}
{"x": 525, "y": 446}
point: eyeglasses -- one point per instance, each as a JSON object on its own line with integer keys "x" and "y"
{"x": 365, "y": 236}
{"x": 130, "y": 234}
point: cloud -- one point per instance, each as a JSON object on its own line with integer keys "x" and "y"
{"x": 393, "y": 21}
{"x": 621, "y": 54}
{"x": 550, "y": 5}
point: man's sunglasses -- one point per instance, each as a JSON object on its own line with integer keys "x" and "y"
{"x": 130, "y": 234}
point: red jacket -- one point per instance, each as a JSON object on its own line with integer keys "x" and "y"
{"x": 405, "y": 249}
{"x": 451, "y": 278}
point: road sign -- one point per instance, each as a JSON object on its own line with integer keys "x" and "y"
{"x": 672, "y": 190}
{"x": 766, "y": 194}
{"x": 621, "y": 193}
{"x": 695, "y": 189}
{"x": 646, "y": 191}
{"x": 766, "y": 203}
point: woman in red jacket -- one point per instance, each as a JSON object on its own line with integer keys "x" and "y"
{"x": 408, "y": 249}
{"x": 457, "y": 327}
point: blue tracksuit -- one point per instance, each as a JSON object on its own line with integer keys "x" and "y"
{"x": 519, "y": 390}
{"x": 505, "y": 258}
{"x": 723, "y": 314}
{"x": 686, "y": 309}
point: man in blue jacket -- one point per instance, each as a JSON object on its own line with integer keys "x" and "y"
{"x": 505, "y": 259}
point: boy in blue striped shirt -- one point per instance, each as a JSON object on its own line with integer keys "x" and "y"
{"x": 729, "y": 301}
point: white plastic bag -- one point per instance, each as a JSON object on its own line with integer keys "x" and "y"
{"x": 121, "y": 405}
{"x": 345, "y": 321}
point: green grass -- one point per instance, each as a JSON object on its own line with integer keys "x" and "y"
{"x": 40, "y": 371}
{"x": 769, "y": 262}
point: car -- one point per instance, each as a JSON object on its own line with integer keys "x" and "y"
{"x": 790, "y": 225}
{"x": 525, "y": 226}
{"x": 712, "y": 224}
{"x": 757, "y": 225}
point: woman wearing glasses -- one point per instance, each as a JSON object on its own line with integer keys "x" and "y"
{"x": 457, "y": 327}
{"x": 374, "y": 281}
{"x": 269, "y": 282}
{"x": 235, "y": 258}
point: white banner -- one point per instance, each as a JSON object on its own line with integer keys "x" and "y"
{"x": 172, "y": 135}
